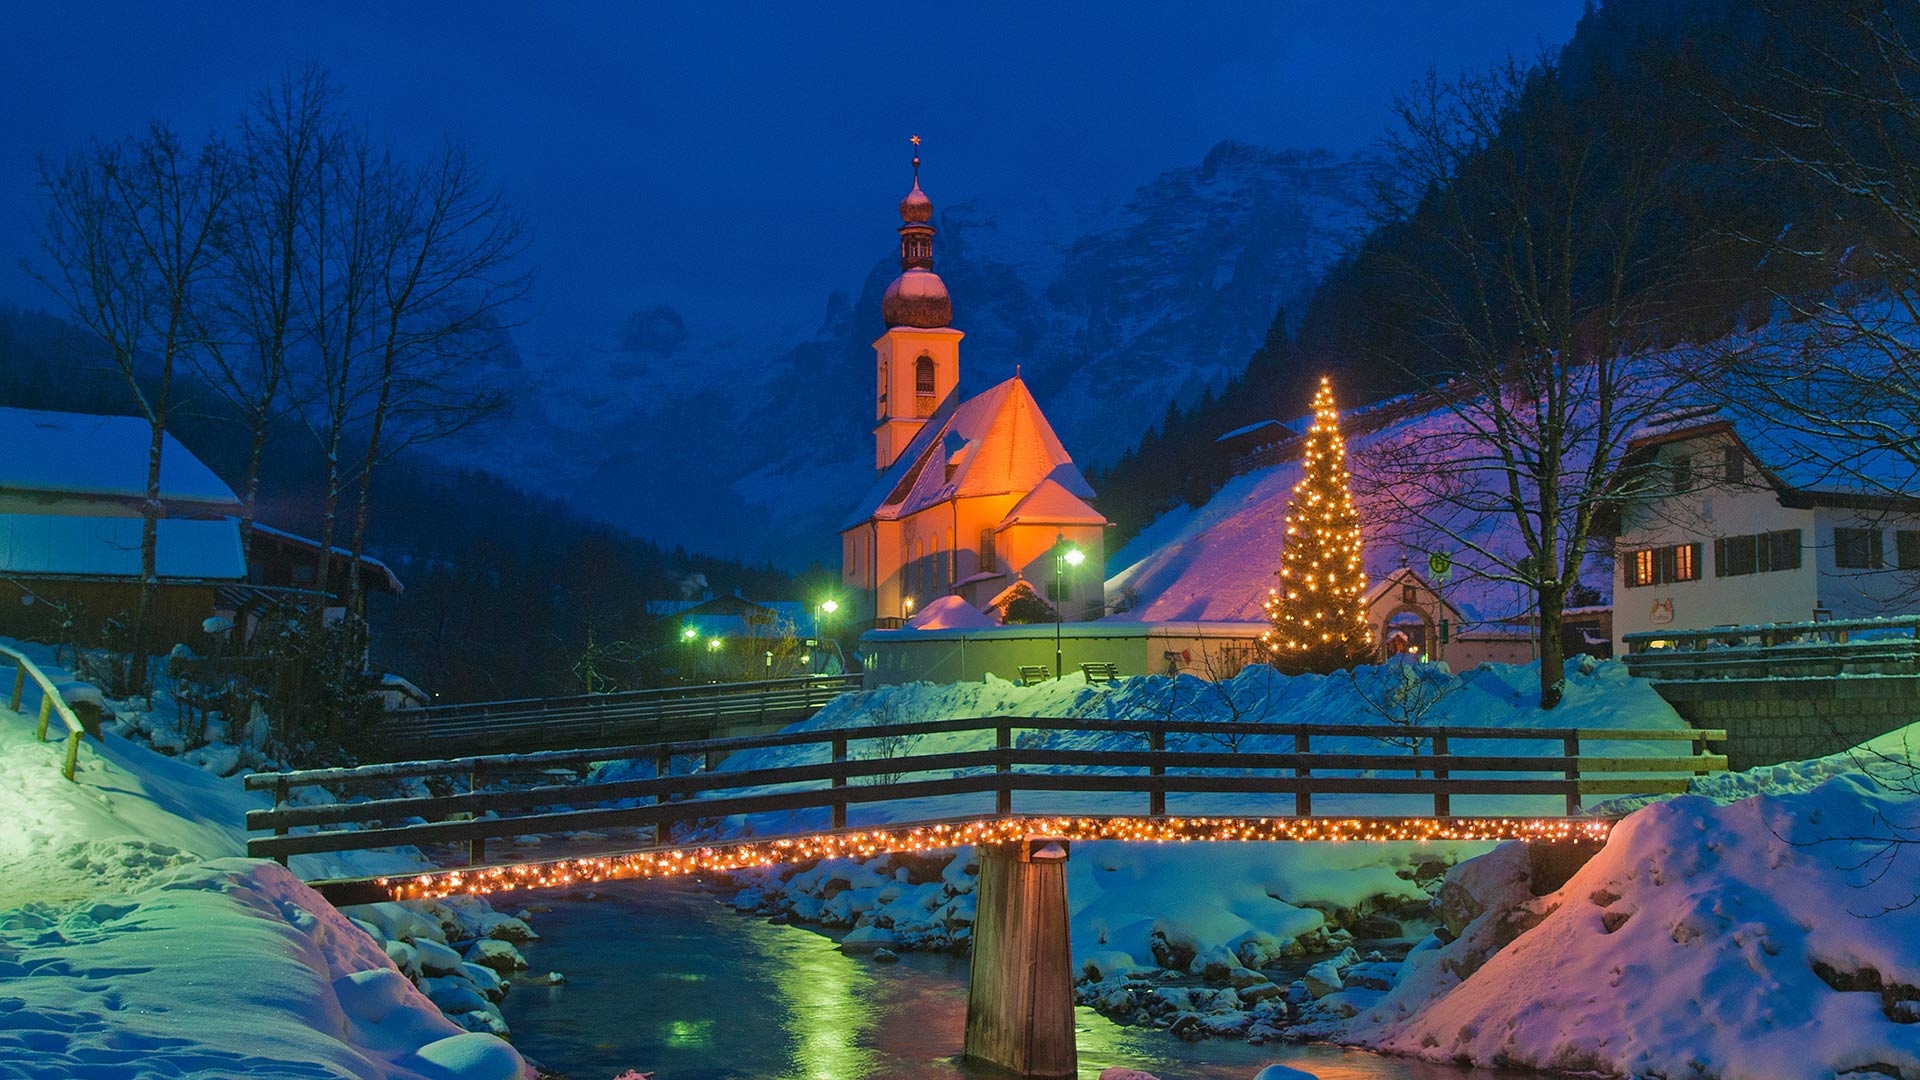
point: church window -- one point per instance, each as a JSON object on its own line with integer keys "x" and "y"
{"x": 923, "y": 377}
{"x": 986, "y": 550}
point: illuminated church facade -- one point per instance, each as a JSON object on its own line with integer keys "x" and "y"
{"x": 973, "y": 497}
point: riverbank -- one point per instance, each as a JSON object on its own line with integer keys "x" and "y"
{"x": 1222, "y": 941}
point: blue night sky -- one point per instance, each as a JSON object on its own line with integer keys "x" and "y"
{"x": 680, "y": 153}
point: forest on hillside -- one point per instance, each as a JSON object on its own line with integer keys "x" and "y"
{"x": 1674, "y": 108}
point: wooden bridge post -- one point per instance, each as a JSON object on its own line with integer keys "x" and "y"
{"x": 1442, "y": 802}
{"x": 1003, "y": 795}
{"x": 19, "y": 685}
{"x": 477, "y": 845}
{"x": 1157, "y": 742}
{"x": 662, "y": 768}
{"x": 1020, "y": 988}
{"x": 279, "y": 800}
{"x": 840, "y": 781}
{"x": 1572, "y": 742}
{"x": 1303, "y": 800}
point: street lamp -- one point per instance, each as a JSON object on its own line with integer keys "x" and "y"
{"x": 1064, "y": 555}
{"x": 907, "y": 606}
{"x": 827, "y": 608}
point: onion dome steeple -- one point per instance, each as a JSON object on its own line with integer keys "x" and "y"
{"x": 917, "y": 297}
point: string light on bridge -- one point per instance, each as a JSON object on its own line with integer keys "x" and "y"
{"x": 870, "y": 843}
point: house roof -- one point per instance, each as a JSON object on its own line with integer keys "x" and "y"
{"x": 1003, "y": 445}
{"x": 388, "y": 577}
{"x": 64, "y": 545}
{"x": 1802, "y": 465}
{"x": 81, "y": 454}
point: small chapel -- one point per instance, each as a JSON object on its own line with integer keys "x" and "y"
{"x": 976, "y": 499}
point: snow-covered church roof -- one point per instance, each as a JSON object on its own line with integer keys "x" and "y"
{"x": 80, "y": 454}
{"x": 994, "y": 443}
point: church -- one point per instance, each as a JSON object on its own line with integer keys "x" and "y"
{"x": 974, "y": 497}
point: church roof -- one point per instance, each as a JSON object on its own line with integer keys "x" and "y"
{"x": 1005, "y": 446}
{"x": 1053, "y": 504}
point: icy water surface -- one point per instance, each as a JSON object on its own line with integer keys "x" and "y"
{"x": 662, "y": 977}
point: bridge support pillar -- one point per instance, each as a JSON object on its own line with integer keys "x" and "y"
{"x": 1020, "y": 991}
{"x": 1553, "y": 864}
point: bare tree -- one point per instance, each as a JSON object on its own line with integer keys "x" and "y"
{"x": 1520, "y": 222}
{"x": 446, "y": 250}
{"x": 132, "y": 231}
{"x": 1839, "y": 114}
{"x": 284, "y": 137}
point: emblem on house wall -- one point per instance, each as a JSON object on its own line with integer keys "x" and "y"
{"x": 1662, "y": 612}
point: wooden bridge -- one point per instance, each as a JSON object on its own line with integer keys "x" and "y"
{"x": 1020, "y": 1004}
{"x": 702, "y": 711}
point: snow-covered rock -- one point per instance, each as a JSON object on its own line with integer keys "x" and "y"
{"x": 501, "y": 956}
{"x": 1756, "y": 939}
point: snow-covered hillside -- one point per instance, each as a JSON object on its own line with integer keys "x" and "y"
{"x": 1216, "y": 562}
{"x": 1110, "y": 311}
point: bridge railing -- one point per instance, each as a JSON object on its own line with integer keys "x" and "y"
{"x": 1152, "y": 768}
{"x": 51, "y": 705}
{"x": 604, "y": 719}
{"x": 1778, "y": 650}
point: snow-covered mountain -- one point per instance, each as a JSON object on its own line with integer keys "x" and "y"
{"x": 756, "y": 443}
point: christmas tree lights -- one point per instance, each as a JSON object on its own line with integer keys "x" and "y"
{"x": 1319, "y": 617}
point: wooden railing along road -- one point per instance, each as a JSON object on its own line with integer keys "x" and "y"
{"x": 51, "y": 705}
{"x": 1779, "y": 650}
{"x": 587, "y": 720}
{"x": 1458, "y": 761}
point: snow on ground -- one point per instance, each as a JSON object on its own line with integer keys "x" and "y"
{"x": 227, "y": 968}
{"x": 131, "y": 938}
{"x": 1769, "y": 938}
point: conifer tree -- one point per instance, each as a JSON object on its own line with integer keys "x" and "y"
{"x": 1318, "y": 616}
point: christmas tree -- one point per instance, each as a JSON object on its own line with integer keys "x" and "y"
{"x": 1319, "y": 619}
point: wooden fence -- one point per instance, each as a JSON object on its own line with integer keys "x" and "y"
{"x": 1207, "y": 760}
{"x": 617, "y": 719}
{"x": 51, "y": 705}
{"x": 1778, "y": 651}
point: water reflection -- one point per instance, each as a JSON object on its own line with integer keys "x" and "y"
{"x": 660, "y": 977}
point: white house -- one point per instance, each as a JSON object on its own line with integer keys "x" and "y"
{"x": 1740, "y": 527}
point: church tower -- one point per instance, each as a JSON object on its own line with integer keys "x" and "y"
{"x": 918, "y": 359}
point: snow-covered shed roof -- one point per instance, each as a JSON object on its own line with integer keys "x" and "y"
{"x": 1004, "y": 445}
{"x": 76, "y": 546}
{"x": 82, "y": 454}
{"x": 950, "y": 613}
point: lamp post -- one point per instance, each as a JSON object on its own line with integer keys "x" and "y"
{"x": 827, "y": 608}
{"x": 1064, "y": 555}
{"x": 687, "y": 637}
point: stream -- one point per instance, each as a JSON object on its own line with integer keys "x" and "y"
{"x": 662, "y": 977}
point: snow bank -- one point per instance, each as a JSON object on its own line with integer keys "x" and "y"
{"x": 129, "y": 935}
{"x": 1598, "y": 695}
{"x": 228, "y": 968}
{"x": 1753, "y": 940}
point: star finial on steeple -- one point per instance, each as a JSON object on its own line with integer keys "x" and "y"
{"x": 915, "y": 140}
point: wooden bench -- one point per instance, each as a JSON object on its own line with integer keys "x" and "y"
{"x": 1034, "y": 673}
{"x": 1100, "y": 671}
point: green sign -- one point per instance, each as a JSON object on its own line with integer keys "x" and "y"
{"x": 1440, "y": 565}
